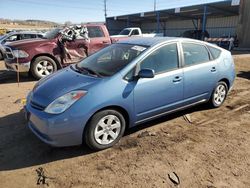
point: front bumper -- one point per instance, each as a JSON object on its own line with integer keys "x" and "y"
{"x": 56, "y": 130}
{"x": 16, "y": 64}
{"x": 18, "y": 67}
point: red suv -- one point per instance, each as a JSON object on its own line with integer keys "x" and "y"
{"x": 42, "y": 57}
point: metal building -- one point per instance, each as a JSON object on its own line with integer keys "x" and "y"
{"x": 220, "y": 19}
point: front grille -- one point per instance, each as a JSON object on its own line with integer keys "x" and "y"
{"x": 8, "y": 53}
{"x": 37, "y": 106}
{"x": 42, "y": 135}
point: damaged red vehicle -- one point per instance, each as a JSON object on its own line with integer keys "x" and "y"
{"x": 57, "y": 49}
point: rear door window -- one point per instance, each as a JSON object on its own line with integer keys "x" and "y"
{"x": 95, "y": 32}
{"x": 195, "y": 54}
{"x": 39, "y": 36}
{"x": 28, "y": 36}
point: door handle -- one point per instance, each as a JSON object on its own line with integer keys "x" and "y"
{"x": 177, "y": 79}
{"x": 104, "y": 42}
{"x": 213, "y": 69}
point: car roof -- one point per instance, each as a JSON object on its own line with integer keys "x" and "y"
{"x": 148, "y": 41}
{"x": 153, "y": 41}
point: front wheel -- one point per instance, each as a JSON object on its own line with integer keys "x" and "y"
{"x": 43, "y": 66}
{"x": 104, "y": 129}
{"x": 219, "y": 94}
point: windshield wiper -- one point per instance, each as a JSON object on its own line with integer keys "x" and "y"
{"x": 87, "y": 70}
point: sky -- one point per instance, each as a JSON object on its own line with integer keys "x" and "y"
{"x": 78, "y": 11}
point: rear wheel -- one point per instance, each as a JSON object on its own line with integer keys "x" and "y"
{"x": 219, "y": 94}
{"x": 43, "y": 66}
{"x": 104, "y": 129}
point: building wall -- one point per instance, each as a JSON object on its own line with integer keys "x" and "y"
{"x": 224, "y": 26}
{"x": 169, "y": 28}
{"x": 216, "y": 27}
{"x": 115, "y": 26}
{"x": 243, "y": 29}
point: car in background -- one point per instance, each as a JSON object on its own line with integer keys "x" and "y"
{"x": 16, "y": 36}
{"x": 195, "y": 34}
{"x": 135, "y": 32}
{"x": 126, "y": 84}
{"x": 44, "y": 56}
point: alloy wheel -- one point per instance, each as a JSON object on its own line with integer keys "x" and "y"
{"x": 107, "y": 129}
{"x": 44, "y": 68}
{"x": 220, "y": 94}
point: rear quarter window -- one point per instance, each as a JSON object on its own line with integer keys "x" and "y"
{"x": 214, "y": 51}
{"x": 95, "y": 32}
{"x": 28, "y": 36}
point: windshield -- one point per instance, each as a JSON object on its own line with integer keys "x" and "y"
{"x": 111, "y": 59}
{"x": 124, "y": 32}
{"x": 52, "y": 34}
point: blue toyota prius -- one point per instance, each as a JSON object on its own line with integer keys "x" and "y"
{"x": 126, "y": 84}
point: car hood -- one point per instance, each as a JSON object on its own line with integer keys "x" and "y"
{"x": 27, "y": 43}
{"x": 55, "y": 85}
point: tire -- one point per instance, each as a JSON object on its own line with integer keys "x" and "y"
{"x": 104, "y": 129}
{"x": 43, "y": 66}
{"x": 219, "y": 94}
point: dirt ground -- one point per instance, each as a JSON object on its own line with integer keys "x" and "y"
{"x": 18, "y": 27}
{"x": 212, "y": 151}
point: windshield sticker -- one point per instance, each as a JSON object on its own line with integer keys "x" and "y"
{"x": 138, "y": 48}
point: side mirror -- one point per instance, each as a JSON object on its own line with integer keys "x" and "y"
{"x": 146, "y": 73}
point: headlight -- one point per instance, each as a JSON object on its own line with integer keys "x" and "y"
{"x": 20, "y": 54}
{"x": 64, "y": 102}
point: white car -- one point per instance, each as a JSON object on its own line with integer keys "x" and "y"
{"x": 135, "y": 32}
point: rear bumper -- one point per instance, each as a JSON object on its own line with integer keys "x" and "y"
{"x": 18, "y": 67}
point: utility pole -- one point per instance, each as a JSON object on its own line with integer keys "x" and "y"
{"x": 154, "y": 5}
{"x": 105, "y": 9}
